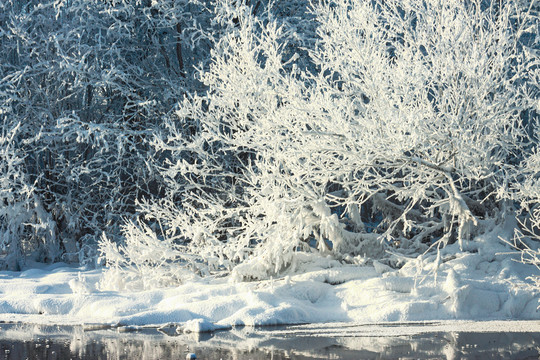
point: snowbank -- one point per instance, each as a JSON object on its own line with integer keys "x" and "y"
{"x": 484, "y": 283}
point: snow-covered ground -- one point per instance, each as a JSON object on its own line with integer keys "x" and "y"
{"x": 483, "y": 283}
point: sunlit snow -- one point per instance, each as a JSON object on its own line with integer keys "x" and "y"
{"x": 484, "y": 284}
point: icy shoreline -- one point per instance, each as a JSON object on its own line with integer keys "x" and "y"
{"x": 447, "y": 339}
{"x": 334, "y": 329}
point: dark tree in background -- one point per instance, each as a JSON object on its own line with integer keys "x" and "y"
{"x": 85, "y": 84}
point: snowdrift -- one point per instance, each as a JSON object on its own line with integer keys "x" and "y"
{"x": 484, "y": 283}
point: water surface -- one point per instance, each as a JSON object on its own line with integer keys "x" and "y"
{"x": 19, "y": 341}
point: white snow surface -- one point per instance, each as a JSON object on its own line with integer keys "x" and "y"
{"x": 484, "y": 283}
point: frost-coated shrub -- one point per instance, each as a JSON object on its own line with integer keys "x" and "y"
{"x": 143, "y": 261}
{"x": 406, "y": 136}
{"x": 215, "y": 161}
{"x": 422, "y": 105}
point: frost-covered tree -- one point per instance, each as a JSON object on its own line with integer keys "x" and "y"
{"x": 420, "y": 111}
{"x": 404, "y": 131}
{"x": 211, "y": 212}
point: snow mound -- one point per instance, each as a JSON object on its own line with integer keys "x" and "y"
{"x": 199, "y": 326}
{"x": 484, "y": 283}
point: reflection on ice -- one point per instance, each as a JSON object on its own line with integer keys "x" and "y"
{"x": 297, "y": 342}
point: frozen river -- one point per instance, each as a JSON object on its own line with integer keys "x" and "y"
{"x": 324, "y": 341}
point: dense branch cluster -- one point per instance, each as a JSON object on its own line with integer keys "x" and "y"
{"x": 84, "y": 83}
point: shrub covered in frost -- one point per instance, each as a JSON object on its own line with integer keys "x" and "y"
{"x": 405, "y": 133}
